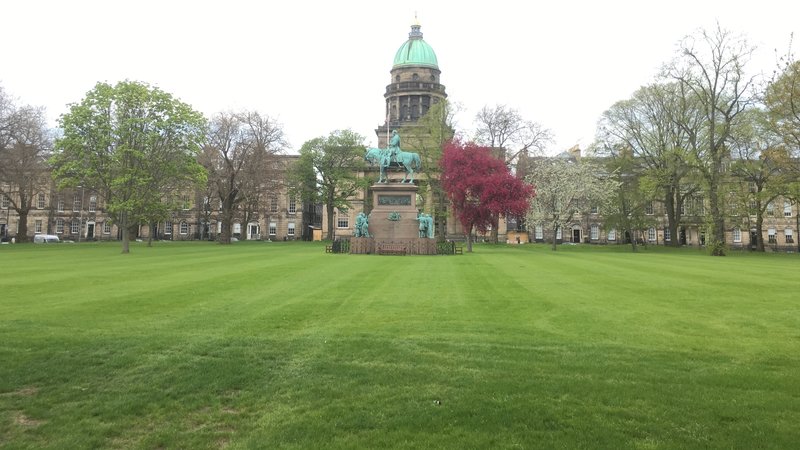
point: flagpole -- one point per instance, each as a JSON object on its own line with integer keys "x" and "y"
{"x": 388, "y": 116}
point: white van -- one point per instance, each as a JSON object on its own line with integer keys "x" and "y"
{"x": 46, "y": 239}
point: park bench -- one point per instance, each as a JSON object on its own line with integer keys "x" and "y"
{"x": 392, "y": 249}
{"x": 458, "y": 250}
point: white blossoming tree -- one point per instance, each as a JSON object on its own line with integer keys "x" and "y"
{"x": 567, "y": 189}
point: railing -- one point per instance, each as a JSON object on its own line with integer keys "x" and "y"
{"x": 449, "y": 248}
{"x": 414, "y": 86}
{"x": 338, "y": 246}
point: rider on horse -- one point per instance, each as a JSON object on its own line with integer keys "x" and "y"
{"x": 394, "y": 146}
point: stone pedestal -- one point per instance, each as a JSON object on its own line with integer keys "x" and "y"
{"x": 394, "y": 211}
{"x": 392, "y": 223}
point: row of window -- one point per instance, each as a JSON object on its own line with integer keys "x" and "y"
{"x": 273, "y": 205}
{"x": 183, "y": 227}
{"x": 772, "y": 238}
{"x": 74, "y": 226}
{"x": 699, "y": 208}
{"x": 273, "y": 229}
{"x": 594, "y": 234}
{"x": 77, "y": 203}
{"x": 41, "y": 203}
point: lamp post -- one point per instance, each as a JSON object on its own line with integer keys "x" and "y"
{"x": 80, "y": 216}
{"x": 8, "y": 218}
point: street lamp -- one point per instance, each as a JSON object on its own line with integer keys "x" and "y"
{"x": 80, "y": 215}
{"x": 8, "y": 218}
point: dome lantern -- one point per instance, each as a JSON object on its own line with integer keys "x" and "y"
{"x": 415, "y": 51}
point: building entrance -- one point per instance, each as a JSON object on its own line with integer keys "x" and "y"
{"x": 253, "y": 232}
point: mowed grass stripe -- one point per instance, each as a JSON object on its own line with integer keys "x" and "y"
{"x": 280, "y": 345}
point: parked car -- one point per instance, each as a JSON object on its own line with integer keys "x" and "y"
{"x": 46, "y": 239}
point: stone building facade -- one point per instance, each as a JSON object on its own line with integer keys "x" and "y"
{"x": 79, "y": 214}
{"x": 779, "y": 233}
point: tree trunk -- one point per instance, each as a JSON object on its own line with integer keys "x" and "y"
{"x": 329, "y": 210}
{"x": 718, "y": 222}
{"x": 672, "y": 217}
{"x": 126, "y": 239}
{"x": 759, "y": 230}
{"x": 555, "y": 240}
{"x": 22, "y": 225}
{"x": 228, "y": 204}
{"x": 469, "y": 239}
{"x": 495, "y": 231}
{"x": 150, "y": 235}
{"x": 634, "y": 247}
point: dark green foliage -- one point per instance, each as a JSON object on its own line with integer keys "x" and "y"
{"x": 134, "y": 144}
{"x": 328, "y": 171}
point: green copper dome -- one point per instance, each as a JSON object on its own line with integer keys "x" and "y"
{"x": 415, "y": 52}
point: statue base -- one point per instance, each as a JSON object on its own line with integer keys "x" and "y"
{"x": 393, "y": 224}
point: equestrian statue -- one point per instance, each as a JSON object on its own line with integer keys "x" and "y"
{"x": 384, "y": 157}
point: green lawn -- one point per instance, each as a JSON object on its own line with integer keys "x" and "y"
{"x": 272, "y": 345}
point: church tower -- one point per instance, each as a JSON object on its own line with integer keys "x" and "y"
{"x": 414, "y": 86}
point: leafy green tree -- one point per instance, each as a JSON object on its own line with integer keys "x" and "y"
{"x": 135, "y": 144}
{"x": 646, "y": 136}
{"x": 783, "y": 104}
{"x": 762, "y": 162}
{"x": 627, "y": 209}
{"x": 328, "y": 171}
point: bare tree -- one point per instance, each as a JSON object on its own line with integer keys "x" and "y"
{"x": 710, "y": 70}
{"x": 25, "y": 145}
{"x": 238, "y": 148}
{"x": 503, "y": 127}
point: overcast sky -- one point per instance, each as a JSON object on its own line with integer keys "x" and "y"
{"x": 318, "y": 66}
